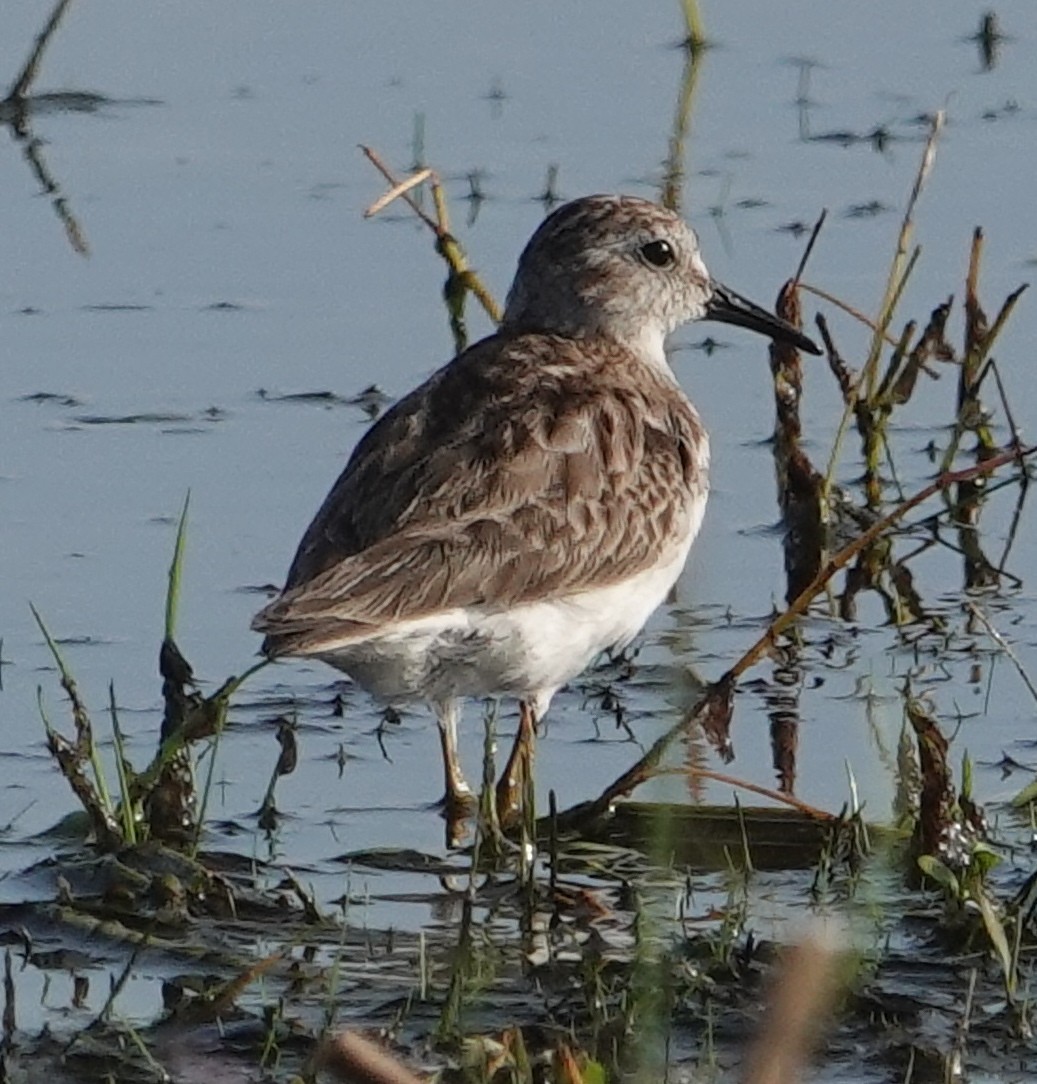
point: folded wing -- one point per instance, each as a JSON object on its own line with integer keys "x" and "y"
{"x": 523, "y": 470}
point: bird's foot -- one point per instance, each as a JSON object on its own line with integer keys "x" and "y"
{"x": 458, "y": 801}
{"x": 457, "y": 806}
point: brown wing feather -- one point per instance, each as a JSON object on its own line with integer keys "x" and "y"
{"x": 548, "y": 472}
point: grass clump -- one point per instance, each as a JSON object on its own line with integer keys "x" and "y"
{"x": 160, "y": 801}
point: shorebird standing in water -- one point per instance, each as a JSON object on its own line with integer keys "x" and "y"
{"x": 531, "y": 503}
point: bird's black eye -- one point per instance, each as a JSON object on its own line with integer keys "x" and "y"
{"x": 658, "y": 253}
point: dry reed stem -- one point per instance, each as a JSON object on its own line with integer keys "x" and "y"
{"x": 844, "y": 375}
{"x": 398, "y": 190}
{"x": 975, "y": 317}
{"x": 375, "y": 160}
{"x": 696, "y": 36}
{"x": 897, "y": 271}
{"x": 858, "y": 402}
{"x": 980, "y": 337}
{"x": 1004, "y": 312}
{"x": 977, "y": 331}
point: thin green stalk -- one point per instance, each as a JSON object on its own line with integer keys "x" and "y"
{"x": 696, "y": 38}
{"x": 270, "y": 1054}
{"x": 138, "y": 1042}
{"x": 333, "y": 978}
{"x": 175, "y": 571}
{"x": 900, "y": 257}
{"x": 879, "y": 335}
{"x": 747, "y": 854}
{"x": 899, "y": 271}
{"x": 674, "y": 168}
{"x": 214, "y": 746}
{"x": 127, "y": 810}
{"x": 115, "y": 988}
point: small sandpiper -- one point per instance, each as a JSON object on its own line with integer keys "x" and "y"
{"x": 530, "y": 504}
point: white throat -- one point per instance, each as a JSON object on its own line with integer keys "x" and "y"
{"x": 649, "y": 346}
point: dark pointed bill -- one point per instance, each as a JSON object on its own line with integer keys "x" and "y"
{"x": 727, "y": 307}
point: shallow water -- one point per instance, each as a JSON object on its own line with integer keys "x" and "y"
{"x": 220, "y": 190}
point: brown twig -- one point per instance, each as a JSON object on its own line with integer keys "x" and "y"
{"x": 754, "y": 788}
{"x": 900, "y": 270}
{"x": 16, "y": 110}
{"x": 849, "y": 309}
{"x": 400, "y": 188}
{"x": 848, "y": 552}
{"x": 810, "y": 247}
{"x": 1017, "y": 440}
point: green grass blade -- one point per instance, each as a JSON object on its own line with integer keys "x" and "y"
{"x": 175, "y": 570}
{"x": 128, "y": 818}
{"x": 203, "y": 807}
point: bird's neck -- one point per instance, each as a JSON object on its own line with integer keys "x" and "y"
{"x": 645, "y": 341}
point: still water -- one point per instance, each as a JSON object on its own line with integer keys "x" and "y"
{"x": 218, "y": 184}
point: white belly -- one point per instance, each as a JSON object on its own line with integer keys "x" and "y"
{"x": 529, "y": 651}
